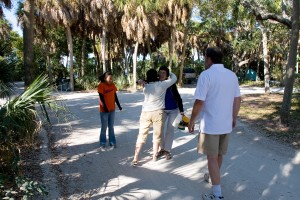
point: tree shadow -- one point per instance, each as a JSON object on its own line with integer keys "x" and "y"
{"x": 254, "y": 168}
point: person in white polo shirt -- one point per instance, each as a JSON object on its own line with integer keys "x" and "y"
{"x": 217, "y": 99}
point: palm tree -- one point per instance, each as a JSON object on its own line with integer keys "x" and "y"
{"x": 28, "y": 40}
{"x": 5, "y": 3}
{"x": 102, "y": 16}
{"x": 177, "y": 13}
{"x": 57, "y": 12}
{"x": 141, "y": 23}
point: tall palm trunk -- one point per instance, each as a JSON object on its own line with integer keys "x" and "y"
{"x": 149, "y": 52}
{"x": 134, "y": 59}
{"x": 96, "y": 54}
{"x": 83, "y": 50}
{"x": 266, "y": 56}
{"x": 28, "y": 39}
{"x": 109, "y": 54}
{"x": 292, "y": 59}
{"x": 171, "y": 47}
{"x": 183, "y": 55}
{"x": 126, "y": 63}
{"x": 103, "y": 43}
{"x": 70, "y": 48}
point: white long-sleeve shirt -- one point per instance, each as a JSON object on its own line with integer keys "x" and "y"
{"x": 155, "y": 93}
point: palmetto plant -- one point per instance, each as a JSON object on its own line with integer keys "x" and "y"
{"x": 20, "y": 124}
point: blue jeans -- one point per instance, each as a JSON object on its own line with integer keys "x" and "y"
{"x": 107, "y": 120}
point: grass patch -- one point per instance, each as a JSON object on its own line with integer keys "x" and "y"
{"x": 248, "y": 83}
{"x": 262, "y": 111}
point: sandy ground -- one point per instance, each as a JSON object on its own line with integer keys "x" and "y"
{"x": 254, "y": 168}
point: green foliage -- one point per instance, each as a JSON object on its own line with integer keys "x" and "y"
{"x": 252, "y": 83}
{"x": 24, "y": 188}
{"x": 121, "y": 82}
{"x": 19, "y": 126}
{"x": 87, "y": 82}
{"x": 6, "y": 74}
{"x": 297, "y": 81}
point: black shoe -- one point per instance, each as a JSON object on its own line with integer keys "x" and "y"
{"x": 168, "y": 155}
{"x": 161, "y": 153}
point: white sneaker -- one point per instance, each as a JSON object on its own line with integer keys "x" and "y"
{"x": 211, "y": 197}
{"x": 102, "y": 148}
{"x": 206, "y": 177}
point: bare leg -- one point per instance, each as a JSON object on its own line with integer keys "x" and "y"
{"x": 138, "y": 148}
{"x": 214, "y": 168}
{"x": 220, "y": 160}
{"x": 155, "y": 150}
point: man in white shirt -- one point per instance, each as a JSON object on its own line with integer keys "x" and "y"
{"x": 217, "y": 97}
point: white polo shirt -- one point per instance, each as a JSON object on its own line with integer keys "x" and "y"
{"x": 217, "y": 87}
{"x": 155, "y": 93}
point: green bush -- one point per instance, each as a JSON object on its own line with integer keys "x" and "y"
{"x": 87, "y": 82}
{"x": 19, "y": 126}
{"x": 24, "y": 188}
{"x": 121, "y": 82}
{"x": 297, "y": 81}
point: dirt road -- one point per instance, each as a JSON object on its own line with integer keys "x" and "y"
{"x": 254, "y": 168}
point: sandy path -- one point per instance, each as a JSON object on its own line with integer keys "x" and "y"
{"x": 255, "y": 167}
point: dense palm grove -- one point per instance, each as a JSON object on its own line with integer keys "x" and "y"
{"x": 128, "y": 37}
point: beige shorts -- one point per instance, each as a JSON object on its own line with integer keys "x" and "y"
{"x": 147, "y": 118}
{"x": 213, "y": 144}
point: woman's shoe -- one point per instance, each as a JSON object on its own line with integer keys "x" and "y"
{"x": 168, "y": 155}
{"x": 160, "y": 153}
{"x": 155, "y": 158}
{"x": 134, "y": 163}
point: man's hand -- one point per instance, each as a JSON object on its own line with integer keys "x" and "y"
{"x": 233, "y": 123}
{"x": 191, "y": 127}
{"x": 196, "y": 110}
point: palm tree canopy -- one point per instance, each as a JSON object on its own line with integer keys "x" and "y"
{"x": 6, "y": 4}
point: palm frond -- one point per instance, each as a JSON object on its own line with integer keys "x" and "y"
{"x": 19, "y": 117}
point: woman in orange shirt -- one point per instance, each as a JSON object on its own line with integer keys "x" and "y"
{"x": 108, "y": 97}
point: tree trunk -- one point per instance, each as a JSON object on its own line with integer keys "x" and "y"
{"x": 83, "y": 50}
{"x": 149, "y": 52}
{"x": 171, "y": 47}
{"x": 49, "y": 69}
{"x": 183, "y": 56}
{"x": 96, "y": 54}
{"x": 266, "y": 56}
{"x": 257, "y": 71}
{"x": 103, "y": 43}
{"x": 126, "y": 61}
{"x": 28, "y": 40}
{"x": 70, "y": 48}
{"x": 292, "y": 60}
{"x": 198, "y": 54}
{"x": 109, "y": 54}
{"x": 134, "y": 59}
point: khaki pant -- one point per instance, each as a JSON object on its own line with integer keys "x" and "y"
{"x": 147, "y": 118}
{"x": 213, "y": 144}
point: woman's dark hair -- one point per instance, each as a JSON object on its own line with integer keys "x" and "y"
{"x": 215, "y": 54}
{"x": 102, "y": 77}
{"x": 164, "y": 68}
{"x": 151, "y": 76}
